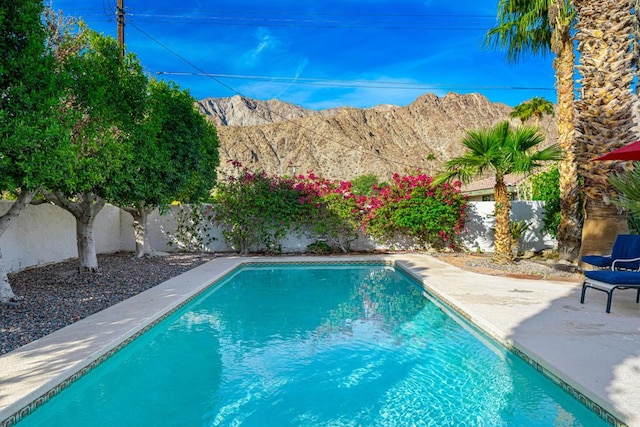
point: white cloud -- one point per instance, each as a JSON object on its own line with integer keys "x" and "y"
{"x": 301, "y": 66}
{"x": 266, "y": 42}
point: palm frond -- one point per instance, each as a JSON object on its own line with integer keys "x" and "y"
{"x": 523, "y": 26}
{"x": 553, "y": 152}
{"x": 523, "y": 138}
{"x": 628, "y": 186}
{"x": 463, "y": 173}
{"x": 500, "y": 149}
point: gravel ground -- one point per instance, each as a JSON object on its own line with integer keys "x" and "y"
{"x": 55, "y": 296}
{"x": 522, "y": 268}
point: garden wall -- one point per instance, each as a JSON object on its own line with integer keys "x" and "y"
{"x": 45, "y": 234}
{"x": 480, "y": 224}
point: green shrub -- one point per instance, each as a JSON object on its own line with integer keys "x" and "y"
{"x": 319, "y": 247}
{"x": 334, "y": 211}
{"x": 363, "y": 185}
{"x": 255, "y": 211}
{"x": 545, "y": 186}
{"x": 412, "y": 206}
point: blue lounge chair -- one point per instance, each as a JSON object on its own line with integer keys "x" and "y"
{"x": 608, "y": 281}
{"x": 625, "y": 254}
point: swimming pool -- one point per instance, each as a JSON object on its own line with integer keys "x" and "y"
{"x": 312, "y": 345}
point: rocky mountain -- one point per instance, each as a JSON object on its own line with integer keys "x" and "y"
{"x": 343, "y": 143}
{"x": 241, "y": 111}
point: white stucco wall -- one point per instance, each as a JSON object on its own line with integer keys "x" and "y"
{"x": 43, "y": 234}
{"x": 480, "y": 224}
{"x": 163, "y": 225}
{"x": 46, "y": 234}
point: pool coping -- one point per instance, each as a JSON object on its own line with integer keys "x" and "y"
{"x": 592, "y": 355}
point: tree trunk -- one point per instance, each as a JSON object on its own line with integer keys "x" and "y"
{"x": 90, "y": 206}
{"x": 604, "y": 113}
{"x": 570, "y": 227}
{"x": 87, "y": 257}
{"x": 502, "y": 242}
{"x": 599, "y": 232}
{"x": 6, "y": 293}
{"x": 85, "y": 208}
{"x": 140, "y": 215}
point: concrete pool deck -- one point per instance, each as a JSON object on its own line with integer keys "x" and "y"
{"x": 595, "y": 354}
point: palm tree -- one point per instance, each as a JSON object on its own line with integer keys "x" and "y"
{"x": 540, "y": 26}
{"x": 536, "y": 107}
{"x": 627, "y": 185}
{"x": 604, "y": 113}
{"x": 501, "y": 150}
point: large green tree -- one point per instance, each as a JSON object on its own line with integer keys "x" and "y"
{"x": 500, "y": 150}
{"x": 175, "y": 158}
{"x": 540, "y": 27}
{"x": 34, "y": 149}
{"x": 107, "y": 101}
{"x": 605, "y": 117}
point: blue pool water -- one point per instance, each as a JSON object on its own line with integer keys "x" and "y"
{"x": 315, "y": 345}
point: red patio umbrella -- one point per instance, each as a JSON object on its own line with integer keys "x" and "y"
{"x": 628, "y": 152}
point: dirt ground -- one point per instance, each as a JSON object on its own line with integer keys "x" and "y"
{"x": 534, "y": 269}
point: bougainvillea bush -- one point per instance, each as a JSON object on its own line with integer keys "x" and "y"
{"x": 411, "y": 206}
{"x": 335, "y": 213}
{"x": 256, "y": 211}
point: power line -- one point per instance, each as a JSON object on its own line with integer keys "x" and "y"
{"x": 295, "y": 22}
{"x": 318, "y": 13}
{"x": 245, "y": 12}
{"x": 379, "y": 84}
{"x": 279, "y": 18}
{"x": 257, "y": 14}
{"x": 357, "y": 147}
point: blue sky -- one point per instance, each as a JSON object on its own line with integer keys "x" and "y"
{"x": 321, "y": 54}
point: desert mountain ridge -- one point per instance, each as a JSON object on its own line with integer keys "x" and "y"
{"x": 342, "y": 143}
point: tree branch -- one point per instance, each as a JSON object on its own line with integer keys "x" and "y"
{"x": 23, "y": 200}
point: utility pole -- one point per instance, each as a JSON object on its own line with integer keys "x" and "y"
{"x": 120, "y": 20}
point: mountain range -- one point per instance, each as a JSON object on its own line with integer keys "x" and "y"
{"x": 343, "y": 143}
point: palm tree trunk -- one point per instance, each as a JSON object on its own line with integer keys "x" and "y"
{"x": 598, "y": 228}
{"x": 570, "y": 227}
{"x": 604, "y": 113}
{"x": 636, "y": 42}
{"x": 502, "y": 243}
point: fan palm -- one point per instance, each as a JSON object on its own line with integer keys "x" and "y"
{"x": 536, "y": 107}
{"x": 540, "y": 27}
{"x": 501, "y": 150}
{"x": 605, "y": 117}
{"x": 627, "y": 184}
